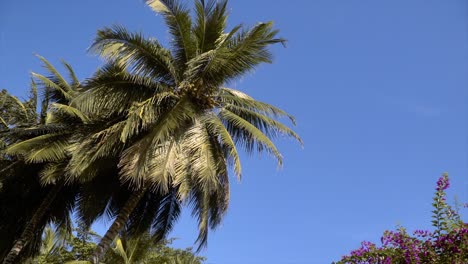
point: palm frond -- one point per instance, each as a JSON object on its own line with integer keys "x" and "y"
{"x": 168, "y": 213}
{"x": 235, "y": 56}
{"x": 246, "y": 133}
{"x": 49, "y": 147}
{"x": 62, "y": 83}
{"x": 94, "y": 149}
{"x": 210, "y": 23}
{"x": 52, "y": 173}
{"x": 177, "y": 18}
{"x": 263, "y": 122}
{"x": 217, "y": 128}
{"x": 75, "y": 82}
{"x": 131, "y": 50}
{"x": 50, "y": 86}
{"x": 238, "y": 98}
{"x": 113, "y": 90}
{"x": 136, "y": 159}
{"x": 67, "y": 110}
{"x": 203, "y": 163}
{"x": 142, "y": 115}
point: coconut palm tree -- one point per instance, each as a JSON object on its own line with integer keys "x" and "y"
{"x": 176, "y": 126}
{"x": 43, "y": 144}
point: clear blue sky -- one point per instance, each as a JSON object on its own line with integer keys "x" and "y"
{"x": 379, "y": 90}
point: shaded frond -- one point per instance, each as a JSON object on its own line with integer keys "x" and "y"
{"x": 113, "y": 90}
{"x": 143, "y": 115}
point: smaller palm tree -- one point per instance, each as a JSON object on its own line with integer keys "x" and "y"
{"x": 41, "y": 141}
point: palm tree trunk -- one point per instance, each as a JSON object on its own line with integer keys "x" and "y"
{"x": 117, "y": 225}
{"x": 32, "y": 225}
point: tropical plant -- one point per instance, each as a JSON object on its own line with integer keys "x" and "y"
{"x": 448, "y": 243}
{"x": 60, "y": 246}
{"x": 142, "y": 249}
{"x": 174, "y": 127}
{"x": 42, "y": 144}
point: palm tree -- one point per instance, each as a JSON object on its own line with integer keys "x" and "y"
{"x": 43, "y": 143}
{"x": 175, "y": 127}
{"x": 142, "y": 249}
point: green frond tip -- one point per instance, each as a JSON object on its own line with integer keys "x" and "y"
{"x": 55, "y": 73}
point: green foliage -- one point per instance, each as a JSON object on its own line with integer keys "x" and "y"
{"x": 154, "y": 123}
{"x": 58, "y": 247}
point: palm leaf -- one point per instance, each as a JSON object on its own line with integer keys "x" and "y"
{"x": 238, "y": 98}
{"x": 49, "y": 147}
{"x": 132, "y": 50}
{"x": 136, "y": 159}
{"x": 113, "y": 91}
{"x": 210, "y": 23}
{"x": 177, "y": 18}
{"x": 216, "y": 127}
{"x": 67, "y": 110}
{"x": 56, "y": 75}
{"x": 263, "y": 122}
{"x": 247, "y": 133}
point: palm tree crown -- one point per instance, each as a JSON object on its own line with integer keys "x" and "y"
{"x": 156, "y": 128}
{"x": 172, "y": 123}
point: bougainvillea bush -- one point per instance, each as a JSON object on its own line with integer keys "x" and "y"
{"x": 448, "y": 243}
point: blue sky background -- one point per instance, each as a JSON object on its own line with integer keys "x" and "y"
{"x": 379, "y": 90}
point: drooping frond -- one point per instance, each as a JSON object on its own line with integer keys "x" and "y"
{"x": 203, "y": 163}
{"x": 145, "y": 57}
{"x": 142, "y": 115}
{"x": 217, "y": 128}
{"x": 177, "y": 18}
{"x": 95, "y": 196}
{"x": 209, "y": 207}
{"x": 248, "y": 135}
{"x": 168, "y": 213}
{"x": 136, "y": 160}
{"x": 96, "y": 147}
{"x": 268, "y": 125}
{"x": 238, "y": 98}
